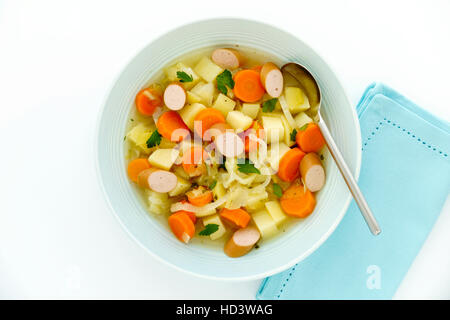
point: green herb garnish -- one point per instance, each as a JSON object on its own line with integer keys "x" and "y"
{"x": 321, "y": 157}
{"x": 277, "y": 190}
{"x": 303, "y": 128}
{"x": 184, "y": 77}
{"x": 210, "y": 228}
{"x": 269, "y": 105}
{"x": 247, "y": 167}
{"x": 224, "y": 80}
{"x": 154, "y": 140}
{"x": 213, "y": 184}
{"x": 293, "y": 135}
{"x": 131, "y": 119}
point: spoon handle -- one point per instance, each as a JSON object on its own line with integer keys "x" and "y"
{"x": 349, "y": 179}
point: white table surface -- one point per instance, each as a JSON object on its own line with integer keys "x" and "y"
{"x": 58, "y": 238}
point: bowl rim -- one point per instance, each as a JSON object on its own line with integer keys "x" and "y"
{"x": 260, "y": 275}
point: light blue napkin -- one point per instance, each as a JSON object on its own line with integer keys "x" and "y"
{"x": 405, "y": 177}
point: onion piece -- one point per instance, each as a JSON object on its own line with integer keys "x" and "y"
{"x": 287, "y": 113}
{"x": 261, "y": 153}
{"x": 158, "y": 112}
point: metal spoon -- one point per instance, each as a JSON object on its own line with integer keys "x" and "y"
{"x": 307, "y": 81}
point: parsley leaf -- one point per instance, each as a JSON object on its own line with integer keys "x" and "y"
{"x": 293, "y": 135}
{"x": 184, "y": 77}
{"x": 303, "y": 128}
{"x": 277, "y": 190}
{"x": 269, "y": 105}
{"x": 247, "y": 167}
{"x": 224, "y": 80}
{"x": 210, "y": 228}
{"x": 154, "y": 140}
{"x": 213, "y": 184}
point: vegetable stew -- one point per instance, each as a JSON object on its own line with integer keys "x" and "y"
{"x": 224, "y": 146}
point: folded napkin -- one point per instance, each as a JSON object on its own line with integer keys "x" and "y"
{"x": 405, "y": 177}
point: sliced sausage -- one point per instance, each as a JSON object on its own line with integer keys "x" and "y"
{"x": 227, "y": 58}
{"x": 175, "y": 96}
{"x": 272, "y": 79}
{"x": 157, "y": 180}
{"x": 312, "y": 172}
{"x": 229, "y": 144}
{"x": 241, "y": 242}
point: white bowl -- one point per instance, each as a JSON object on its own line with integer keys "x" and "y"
{"x": 277, "y": 254}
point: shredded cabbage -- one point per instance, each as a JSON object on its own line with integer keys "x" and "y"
{"x": 238, "y": 196}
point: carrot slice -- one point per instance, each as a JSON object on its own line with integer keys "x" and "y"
{"x": 237, "y": 217}
{"x": 172, "y": 127}
{"x": 310, "y": 139}
{"x": 289, "y": 168}
{"x": 248, "y": 86}
{"x": 297, "y": 201}
{"x": 192, "y": 161}
{"x": 190, "y": 214}
{"x": 200, "y": 196}
{"x": 259, "y": 131}
{"x": 137, "y": 166}
{"x": 182, "y": 227}
{"x": 147, "y": 100}
{"x": 207, "y": 118}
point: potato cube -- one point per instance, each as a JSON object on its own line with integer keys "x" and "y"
{"x": 274, "y": 154}
{"x": 275, "y": 211}
{"x": 239, "y": 121}
{"x": 296, "y": 99}
{"x": 192, "y": 97}
{"x": 255, "y": 201}
{"x": 251, "y": 109}
{"x": 139, "y": 136}
{"x": 181, "y": 187}
{"x": 207, "y": 69}
{"x": 274, "y": 129}
{"x": 205, "y": 91}
{"x": 215, "y": 219}
{"x": 301, "y": 119}
{"x": 163, "y": 158}
{"x": 172, "y": 75}
{"x": 224, "y": 104}
{"x": 265, "y": 224}
{"x": 189, "y": 112}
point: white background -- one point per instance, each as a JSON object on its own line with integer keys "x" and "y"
{"x": 57, "y": 60}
